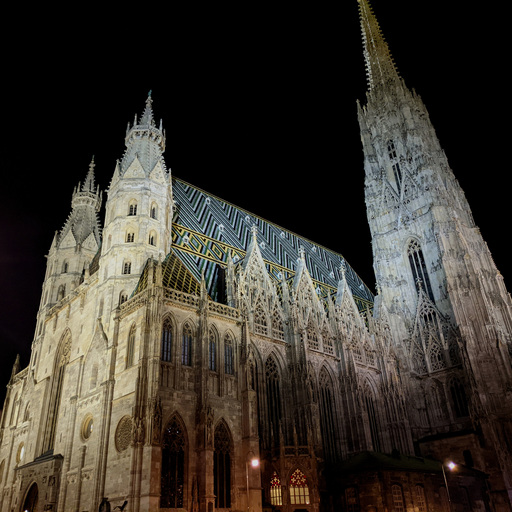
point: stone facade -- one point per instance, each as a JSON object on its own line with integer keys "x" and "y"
{"x": 167, "y": 359}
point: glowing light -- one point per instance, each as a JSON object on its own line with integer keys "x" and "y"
{"x": 451, "y": 465}
{"x": 255, "y": 463}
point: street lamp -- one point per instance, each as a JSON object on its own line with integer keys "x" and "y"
{"x": 451, "y": 465}
{"x": 254, "y": 462}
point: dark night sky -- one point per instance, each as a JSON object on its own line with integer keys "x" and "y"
{"x": 259, "y": 107}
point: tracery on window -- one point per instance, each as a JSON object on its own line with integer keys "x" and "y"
{"x": 275, "y": 490}
{"x": 222, "y": 467}
{"x": 398, "y": 498}
{"x": 419, "y": 268}
{"x": 132, "y": 208}
{"x": 299, "y": 489}
{"x": 395, "y": 165}
{"x": 274, "y": 405}
{"x": 166, "y": 340}
{"x": 130, "y": 347}
{"x": 421, "y": 502}
{"x": 260, "y": 320}
{"x": 328, "y": 416}
{"x": 228, "y": 355}
{"x": 173, "y": 465}
{"x": 212, "y": 351}
{"x": 186, "y": 346}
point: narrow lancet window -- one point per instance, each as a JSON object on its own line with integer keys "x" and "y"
{"x": 419, "y": 268}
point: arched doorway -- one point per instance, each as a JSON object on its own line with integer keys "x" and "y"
{"x": 30, "y": 503}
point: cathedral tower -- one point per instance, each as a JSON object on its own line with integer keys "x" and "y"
{"x": 138, "y": 211}
{"x": 434, "y": 272}
{"x": 74, "y": 247}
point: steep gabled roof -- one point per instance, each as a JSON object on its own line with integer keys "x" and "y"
{"x": 207, "y": 231}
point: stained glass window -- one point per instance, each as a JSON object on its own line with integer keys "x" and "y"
{"x": 275, "y": 490}
{"x": 299, "y": 490}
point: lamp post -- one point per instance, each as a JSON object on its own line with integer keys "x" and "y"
{"x": 254, "y": 462}
{"x": 451, "y": 466}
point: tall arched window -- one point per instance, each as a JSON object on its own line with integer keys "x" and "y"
{"x": 61, "y": 361}
{"x": 398, "y": 498}
{"x": 186, "y": 346}
{"x": 173, "y": 465}
{"x": 166, "y": 340}
{"x": 421, "y": 502}
{"x": 299, "y": 489}
{"x": 274, "y": 407}
{"x": 260, "y": 320}
{"x": 275, "y": 490}
{"x": 130, "y": 347}
{"x": 228, "y": 355}
{"x": 212, "y": 351}
{"x": 328, "y": 417}
{"x": 222, "y": 467}
{"x": 372, "y": 417}
{"x": 395, "y": 165}
{"x": 459, "y": 400}
{"x": 419, "y": 268}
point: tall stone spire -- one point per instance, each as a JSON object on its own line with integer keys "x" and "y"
{"x": 86, "y": 203}
{"x": 380, "y": 67}
{"x": 145, "y": 143}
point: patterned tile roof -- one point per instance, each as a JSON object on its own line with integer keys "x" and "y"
{"x": 207, "y": 231}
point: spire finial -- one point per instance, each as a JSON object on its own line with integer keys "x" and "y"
{"x": 380, "y": 67}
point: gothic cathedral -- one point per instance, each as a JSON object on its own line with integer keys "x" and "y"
{"x": 190, "y": 355}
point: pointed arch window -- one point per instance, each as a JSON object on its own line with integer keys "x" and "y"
{"x": 352, "y": 499}
{"x": 130, "y": 347}
{"x": 299, "y": 489}
{"x": 260, "y": 321}
{"x": 228, "y": 355}
{"x": 459, "y": 400}
{"x": 274, "y": 405}
{"x": 275, "y": 490}
{"x": 277, "y": 326}
{"x": 166, "y": 340}
{"x": 395, "y": 165}
{"x": 130, "y": 237}
{"x": 127, "y": 267}
{"x": 152, "y": 238}
{"x": 372, "y": 417}
{"x": 61, "y": 292}
{"x": 212, "y": 351}
{"x": 123, "y": 297}
{"x": 186, "y": 346}
{"x": 328, "y": 417}
{"x": 420, "y": 498}
{"x": 61, "y": 362}
{"x": 419, "y": 268}
{"x": 173, "y": 466}
{"x": 398, "y": 498}
{"x": 222, "y": 467}
{"x": 153, "y": 211}
{"x": 132, "y": 208}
